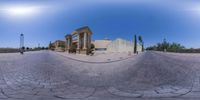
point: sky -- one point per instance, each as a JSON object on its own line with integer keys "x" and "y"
{"x": 42, "y": 21}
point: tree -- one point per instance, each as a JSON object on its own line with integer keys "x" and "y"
{"x": 175, "y": 47}
{"x": 62, "y": 46}
{"x": 27, "y": 48}
{"x": 141, "y": 42}
{"x": 172, "y": 47}
{"x": 135, "y": 44}
{"x": 92, "y": 46}
{"x": 23, "y": 48}
{"x": 152, "y": 48}
{"x": 165, "y": 45}
{"x": 43, "y": 48}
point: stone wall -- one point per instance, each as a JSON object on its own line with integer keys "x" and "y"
{"x": 120, "y": 45}
{"x": 101, "y": 44}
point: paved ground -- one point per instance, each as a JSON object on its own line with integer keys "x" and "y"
{"x": 47, "y": 75}
{"x": 98, "y": 57}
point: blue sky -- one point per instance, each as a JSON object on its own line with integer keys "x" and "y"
{"x": 176, "y": 20}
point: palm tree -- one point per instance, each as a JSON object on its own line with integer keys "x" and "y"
{"x": 141, "y": 42}
{"x": 165, "y": 45}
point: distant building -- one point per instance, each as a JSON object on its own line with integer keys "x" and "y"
{"x": 101, "y": 45}
{"x": 58, "y": 45}
{"x": 51, "y": 46}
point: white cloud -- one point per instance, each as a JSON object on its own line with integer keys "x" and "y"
{"x": 194, "y": 9}
{"x": 21, "y": 11}
{"x": 18, "y": 10}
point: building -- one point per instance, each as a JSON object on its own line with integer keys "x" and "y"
{"x": 58, "y": 45}
{"x": 101, "y": 45}
{"x": 120, "y": 45}
{"x": 79, "y": 41}
{"x": 51, "y": 46}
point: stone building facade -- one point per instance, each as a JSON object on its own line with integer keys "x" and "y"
{"x": 120, "y": 45}
{"x": 101, "y": 45}
{"x": 79, "y": 41}
{"x": 59, "y": 45}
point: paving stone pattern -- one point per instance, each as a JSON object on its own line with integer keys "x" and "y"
{"x": 46, "y": 75}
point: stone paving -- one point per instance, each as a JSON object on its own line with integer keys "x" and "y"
{"x": 46, "y": 75}
{"x": 98, "y": 57}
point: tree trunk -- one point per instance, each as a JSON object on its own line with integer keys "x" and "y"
{"x": 135, "y": 44}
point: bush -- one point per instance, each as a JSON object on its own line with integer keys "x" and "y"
{"x": 171, "y": 47}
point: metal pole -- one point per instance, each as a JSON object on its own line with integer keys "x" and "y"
{"x": 21, "y": 43}
{"x": 21, "y": 40}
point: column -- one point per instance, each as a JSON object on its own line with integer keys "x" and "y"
{"x": 89, "y": 41}
{"x": 85, "y": 41}
{"x": 78, "y": 41}
{"x": 68, "y": 43}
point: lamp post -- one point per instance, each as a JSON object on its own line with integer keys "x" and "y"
{"x": 22, "y": 43}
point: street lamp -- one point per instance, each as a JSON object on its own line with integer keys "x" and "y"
{"x": 22, "y": 43}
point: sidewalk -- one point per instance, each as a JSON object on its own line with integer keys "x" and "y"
{"x": 98, "y": 57}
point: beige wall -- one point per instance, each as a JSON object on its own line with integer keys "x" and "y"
{"x": 101, "y": 44}
{"x": 120, "y": 45}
